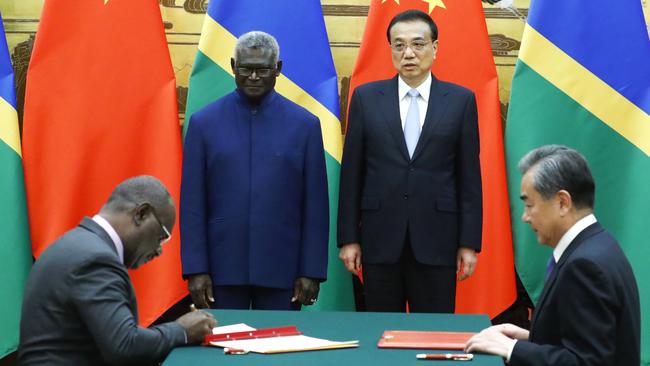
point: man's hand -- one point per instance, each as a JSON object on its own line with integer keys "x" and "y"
{"x": 305, "y": 291}
{"x": 350, "y": 254}
{"x": 200, "y": 287}
{"x": 496, "y": 340}
{"x": 197, "y": 325}
{"x": 513, "y": 331}
{"x": 465, "y": 261}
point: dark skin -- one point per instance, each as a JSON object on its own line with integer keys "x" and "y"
{"x": 254, "y": 87}
{"x": 142, "y": 235}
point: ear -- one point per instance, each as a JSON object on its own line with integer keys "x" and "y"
{"x": 278, "y": 68}
{"x": 435, "y": 48}
{"x": 141, "y": 212}
{"x": 232, "y": 64}
{"x": 565, "y": 201}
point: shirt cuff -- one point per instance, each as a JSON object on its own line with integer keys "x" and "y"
{"x": 511, "y": 347}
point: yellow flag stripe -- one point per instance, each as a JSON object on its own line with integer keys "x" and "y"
{"x": 586, "y": 88}
{"x": 218, "y": 44}
{"x": 9, "y": 126}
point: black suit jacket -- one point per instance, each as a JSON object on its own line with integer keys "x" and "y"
{"x": 436, "y": 194}
{"x": 588, "y": 313}
{"x": 79, "y": 308}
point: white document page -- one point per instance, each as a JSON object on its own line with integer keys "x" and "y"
{"x": 293, "y": 343}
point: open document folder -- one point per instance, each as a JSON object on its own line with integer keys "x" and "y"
{"x": 269, "y": 340}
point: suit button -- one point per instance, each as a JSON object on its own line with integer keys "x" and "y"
{"x": 406, "y": 196}
{"x": 411, "y": 169}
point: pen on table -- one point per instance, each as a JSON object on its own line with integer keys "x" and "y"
{"x": 234, "y": 351}
{"x": 445, "y": 356}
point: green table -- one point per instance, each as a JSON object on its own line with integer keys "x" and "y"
{"x": 335, "y": 326}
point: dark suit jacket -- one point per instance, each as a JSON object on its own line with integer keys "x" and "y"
{"x": 436, "y": 194}
{"x": 79, "y": 308}
{"x": 588, "y": 313}
{"x": 254, "y": 203}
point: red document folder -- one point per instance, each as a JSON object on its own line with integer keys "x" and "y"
{"x": 272, "y": 340}
{"x": 289, "y": 330}
{"x": 424, "y": 339}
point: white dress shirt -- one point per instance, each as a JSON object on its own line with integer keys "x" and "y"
{"x": 405, "y": 100}
{"x": 113, "y": 234}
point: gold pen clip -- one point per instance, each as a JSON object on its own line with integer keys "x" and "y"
{"x": 462, "y": 356}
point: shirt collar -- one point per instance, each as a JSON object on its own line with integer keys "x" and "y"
{"x": 571, "y": 234}
{"x": 424, "y": 89}
{"x": 113, "y": 234}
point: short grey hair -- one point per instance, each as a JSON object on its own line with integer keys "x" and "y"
{"x": 559, "y": 167}
{"x": 258, "y": 40}
{"x": 137, "y": 190}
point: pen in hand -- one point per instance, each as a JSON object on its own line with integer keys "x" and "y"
{"x": 445, "y": 356}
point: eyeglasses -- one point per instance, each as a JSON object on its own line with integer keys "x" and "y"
{"x": 415, "y": 46}
{"x": 168, "y": 235}
{"x": 263, "y": 72}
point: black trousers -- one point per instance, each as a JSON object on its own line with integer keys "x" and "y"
{"x": 426, "y": 289}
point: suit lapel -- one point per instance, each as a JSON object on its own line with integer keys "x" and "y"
{"x": 389, "y": 104}
{"x": 586, "y": 233}
{"x": 435, "y": 110}
{"x": 90, "y": 225}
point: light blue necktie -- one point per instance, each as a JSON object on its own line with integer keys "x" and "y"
{"x": 412, "y": 123}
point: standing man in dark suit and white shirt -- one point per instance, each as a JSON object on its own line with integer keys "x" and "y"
{"x": 588, "y": 312}
{"x": 410, "y": 207}
{"x": 79, "y": 306}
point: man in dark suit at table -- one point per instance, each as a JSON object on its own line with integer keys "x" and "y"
{"x": 588, "y": 312}
{"x": 254, "y": 205}
{"x": 79, "y": 306}
{"x": 410, "y": 206}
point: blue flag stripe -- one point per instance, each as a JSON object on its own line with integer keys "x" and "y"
{"x": 291, "y": 23}
{"x": 7, "y": 90}
{"x": 607, "y": 37}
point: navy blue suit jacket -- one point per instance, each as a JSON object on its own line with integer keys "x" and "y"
{"x": 254, "y": 205}
{"x": 436, "y": 194}
{"x": 588, "y": 313}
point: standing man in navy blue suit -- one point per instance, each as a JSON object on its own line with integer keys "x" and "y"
{"x": 588, "y": 312}
{"x": 254, "y": 212}
{"x": 410, "y": 204}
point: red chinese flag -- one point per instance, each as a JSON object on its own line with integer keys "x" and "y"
{"x": 464, "y": 57}
{"x": 100, "y": 107}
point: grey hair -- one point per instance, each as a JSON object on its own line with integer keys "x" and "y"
{"x": 559, "y": 167}
{"x": 137, "y": 190}
{"x": 258, "y": 40}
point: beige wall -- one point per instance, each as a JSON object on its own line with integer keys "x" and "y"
{"x": 344, "y": 19}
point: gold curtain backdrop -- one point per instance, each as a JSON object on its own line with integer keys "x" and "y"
{"x": 345, "y": 21}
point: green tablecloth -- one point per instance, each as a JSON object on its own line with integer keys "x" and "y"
{"x": 335, "y": 326}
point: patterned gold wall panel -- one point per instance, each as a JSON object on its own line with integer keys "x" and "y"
{"x": 344, "y": 19}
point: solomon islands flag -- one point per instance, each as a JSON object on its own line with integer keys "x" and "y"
{"x": 308, "y": 79}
